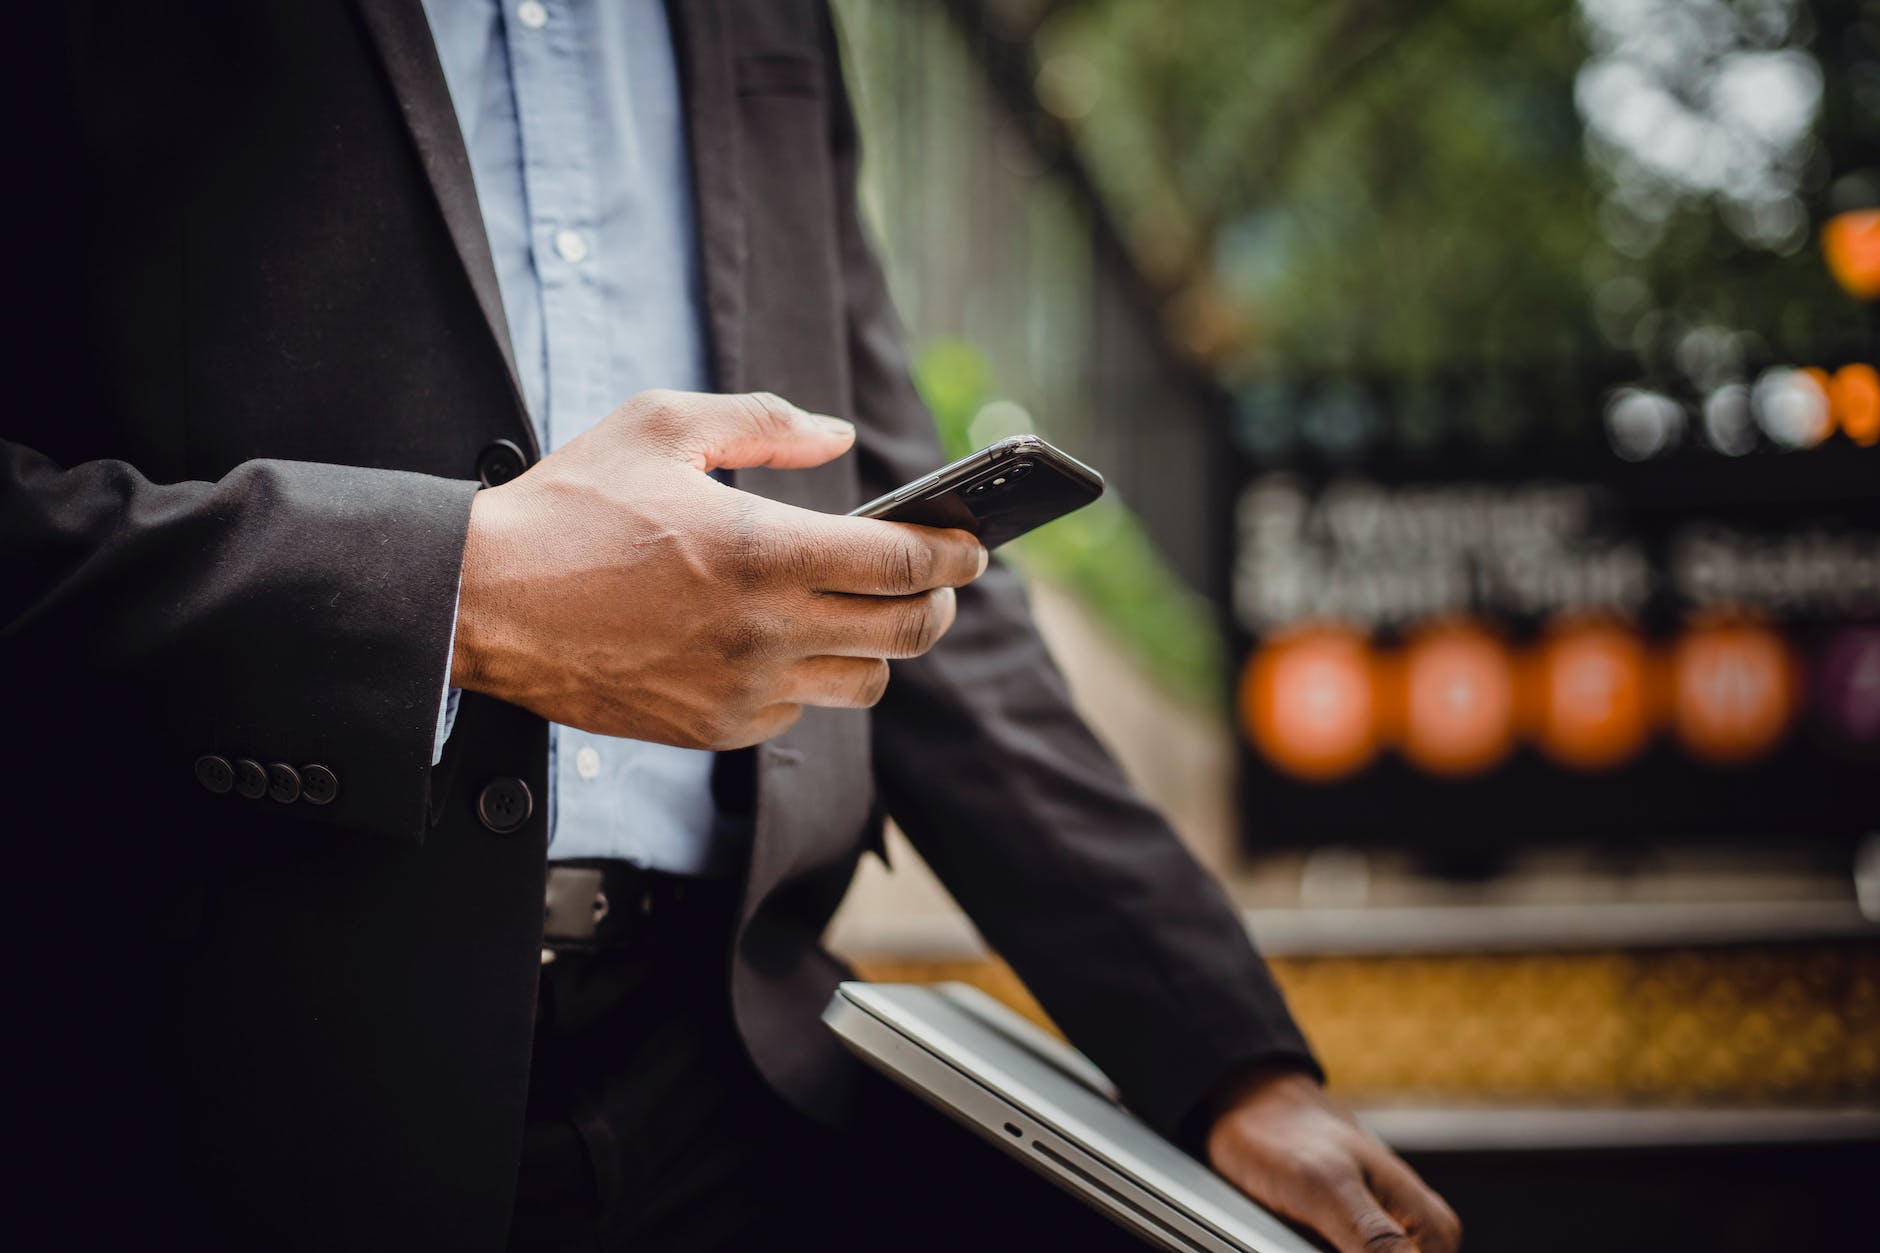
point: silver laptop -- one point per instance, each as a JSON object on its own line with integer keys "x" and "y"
{"x": 1047, "y": 1105}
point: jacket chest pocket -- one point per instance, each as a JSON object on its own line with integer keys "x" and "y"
{"x": 795, "y": 338}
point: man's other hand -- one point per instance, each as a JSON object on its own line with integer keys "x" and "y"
{"x": 1286, "y": 1144}
{"x": 618, "y": 588}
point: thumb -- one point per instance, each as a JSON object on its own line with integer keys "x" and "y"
{"x": 753, "y": 429}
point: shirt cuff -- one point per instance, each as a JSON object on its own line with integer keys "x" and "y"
{"x": 446, "y": 721}
{"x": 447, "y": 707}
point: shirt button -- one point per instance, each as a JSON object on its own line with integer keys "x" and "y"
{"x": 571, "y": 246}
{"x": 587, "y": 762}
{"x": 532, "y": 14}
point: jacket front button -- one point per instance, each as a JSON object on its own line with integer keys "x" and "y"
{"x": 500, "y": 462}
{"x": 283, "y": 782}
{"x": 318, "y": 785}
{"x": 215, "y": 773}
{"x": 504, "y": 804}
{"x": 250, "y": 779}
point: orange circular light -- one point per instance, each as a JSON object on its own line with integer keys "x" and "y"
{"x": 1733, "y": 691}
{"x": 1851, "y": 243}
{"x": 1458, "y": 700}
{"x": 1308, "y": 702}
{"x": 1589, "y": 696}
{"x": 1854, "y": 399}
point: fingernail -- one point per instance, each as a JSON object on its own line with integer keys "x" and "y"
{"x": 985, "y": 559}
{"x": 835, "y": 426}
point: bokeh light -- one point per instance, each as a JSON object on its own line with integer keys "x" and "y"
{"x": 1854, "y": 401}
{"x": 1587, "y": 697}
{"x": 1642, "y": 424}
{"x": 1734, "y": 691}
{"x": 1308, "y": 702}
{"x": 1791, "y": 407}
{"x": 1458, "y": 700}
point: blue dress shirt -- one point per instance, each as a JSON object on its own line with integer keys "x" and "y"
{"x": 572, "y": 116}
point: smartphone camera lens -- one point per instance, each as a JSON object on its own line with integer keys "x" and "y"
{"x": 1003, "y": 479}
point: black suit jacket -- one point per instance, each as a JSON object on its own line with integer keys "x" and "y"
{"x": 257, "y": 349}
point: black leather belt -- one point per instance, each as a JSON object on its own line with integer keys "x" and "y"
{"x": 596, "y": 905}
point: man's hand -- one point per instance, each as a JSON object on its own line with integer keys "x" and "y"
{"x": 1282, "y": 1141}
{"x": 618, "y": 588}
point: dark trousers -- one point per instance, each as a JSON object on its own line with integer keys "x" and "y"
{"x": 649, "y": 1128}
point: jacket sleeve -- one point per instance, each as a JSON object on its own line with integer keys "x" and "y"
{"x": 290, "y": 612}
{"x": 1127, "y": 942}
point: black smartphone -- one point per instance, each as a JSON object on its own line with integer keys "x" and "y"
{"x": 998, "y": 493}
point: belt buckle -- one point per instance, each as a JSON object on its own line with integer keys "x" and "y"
{"x": 573, "y": 906}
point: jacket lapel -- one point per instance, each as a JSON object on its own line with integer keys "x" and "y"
{"x": 705, "y": 79}
{"x": 403, "y": 38}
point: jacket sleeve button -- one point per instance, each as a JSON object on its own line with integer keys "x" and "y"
{"x": 283, "y": 782}
{"x": 318, "y": 785}
{"x": 215, "y": 773}
{"x": 501, "y": 461}
{"x": 251, "y": 780}
{"x": 504, "y": 804}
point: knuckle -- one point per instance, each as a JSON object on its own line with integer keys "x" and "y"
{"x": 750, "y": 405}
{"x": 1313, "y": 1176}
{"x": 764, "y": 413}
{"x": 907, "y": 567}
{"x": 743, "y": 637}
{"x": 776, "y": 553}
{"x": 1227, "y": 1139}
{"x": 922, "y": 563}
{"x": 724, "y": 740}
{"x": 791, "y": 554}
{"x": 914, "y": 633}
{"x": 743, "y": 691}
{"x": 789, "y": 717}
{"x": 1319, "y": 1170}
{"x": 753, "y": 558}
{"x": 656, "y": 411}
{"x": 709, "y": 731}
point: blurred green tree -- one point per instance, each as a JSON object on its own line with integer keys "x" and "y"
{"x": 1412, "y": 185}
